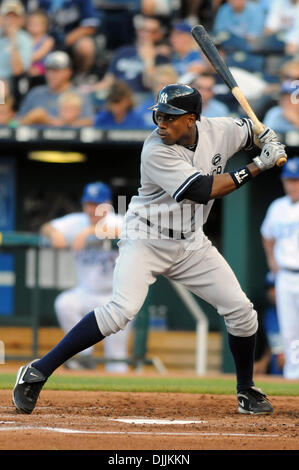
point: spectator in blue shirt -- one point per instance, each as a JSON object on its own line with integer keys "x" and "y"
{"x": 70, "y": 19}
{"x": 71, "y": 22}
{"x": 285, "y": 116}
{"x": 119, "y": 112}
{"x": 211, "y": 107}
{"x": 134, "y": 64}
{"x": 185, "y": 57}
{"x": 46, "y": 97}
{"x": 241, "y": 18}
{"x": 15, "y": 44}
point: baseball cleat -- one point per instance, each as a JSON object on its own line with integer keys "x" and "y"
{"x": 254, "y": 401}
{"x": 27, "y": 388}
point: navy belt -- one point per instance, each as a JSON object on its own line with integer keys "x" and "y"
{"x": 168, "y": 232}
{"x": 291, "y": 270}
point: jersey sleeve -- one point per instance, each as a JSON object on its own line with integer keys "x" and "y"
{"x": 69, "y": 224}
{"x": 267, "y": 227}
{"x": 168, "y": 170}
{"x": 240, "y": 135}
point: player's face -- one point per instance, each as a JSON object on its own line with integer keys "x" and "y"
{"x": 291, "y": 187}
{"x": 96, "y": 212}
{"x": 175, "y": 129}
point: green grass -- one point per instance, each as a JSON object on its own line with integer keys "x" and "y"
{"x": 155, "y": 384}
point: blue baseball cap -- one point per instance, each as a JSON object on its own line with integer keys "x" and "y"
{"x": 288, "y": 87}
{"x": 291, "y": 169}
{"x": 97, "y": 192}
{"x": 182, "y": 26}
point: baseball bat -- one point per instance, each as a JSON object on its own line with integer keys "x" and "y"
{"x": 203, "y": 39}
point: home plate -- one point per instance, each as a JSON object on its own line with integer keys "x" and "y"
{"x": 157, "y": 421}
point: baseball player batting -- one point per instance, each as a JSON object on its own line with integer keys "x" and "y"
{"x": 182, "y": 172}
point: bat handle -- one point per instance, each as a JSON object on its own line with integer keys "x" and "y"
{"x": 281, "y": 161}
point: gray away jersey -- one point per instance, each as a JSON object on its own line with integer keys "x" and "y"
{"x": 168, "y": 170}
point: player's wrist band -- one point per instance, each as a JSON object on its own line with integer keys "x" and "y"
{"x": 241, "y": 176}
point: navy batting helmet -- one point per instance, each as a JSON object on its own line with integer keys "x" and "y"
{"x": 178, "y": 99}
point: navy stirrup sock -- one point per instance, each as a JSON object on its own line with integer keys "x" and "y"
{"x": 243, "y": 350}
{"x": 84, "y": 334}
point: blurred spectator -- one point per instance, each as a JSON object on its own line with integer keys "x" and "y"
{"x": 186, "y": 57}
{"x": 119, "y": 112}
{"x": 15, "y": 44}
{"x": 58, "y": 76}
{"x": 70, "y": 20}
{"x": 211, "y": 107}
{"x": 7, "y": 112}
{"x": 69, "y": 111}
{"x": 163, "y": 75}
{"x": 156, "y": 7}
{"x": 289, "y": 71}
{"x": 292, "y": 38}
{"x": 265, "y": 4}
{"x": 242, "y": 18}
{"x": 251, "y": 85}
{"x": 285, "y": 116}
{"x": 37, "y": 27}
{"x": 89, "y": 68}
{"x": 199, "y": 11}
{"x": 281, "y": 17}
{"x": 118, "y": 18}
{"x": 134, "y": 62}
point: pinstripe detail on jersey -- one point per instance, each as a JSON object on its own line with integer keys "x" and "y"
{"x": 185, "y": 185}
{"x": 250, "y": 141}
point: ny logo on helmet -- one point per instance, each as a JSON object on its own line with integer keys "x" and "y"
{"x": 163, "y": 98}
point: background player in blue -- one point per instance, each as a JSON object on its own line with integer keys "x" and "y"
{"x": 280, "y": 232}
{"x": 163, "y": 234}
{"x": 94, "y": 259}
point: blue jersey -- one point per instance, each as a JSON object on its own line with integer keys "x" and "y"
{"x": 249, "y": 22}
{"x": 275, "y": 119}
{"x": 105, "y": 120}
{"x": 127, "y": 65}
{"x": 66, "y": 15}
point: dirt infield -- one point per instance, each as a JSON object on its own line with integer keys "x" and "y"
{"x": 87, "y": 421}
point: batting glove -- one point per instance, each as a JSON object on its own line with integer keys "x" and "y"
{"x": 266, "y": 137}
{"x": 271, "y": 153}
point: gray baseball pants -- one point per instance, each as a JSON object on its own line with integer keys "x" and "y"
{"x": 203, "y": 271}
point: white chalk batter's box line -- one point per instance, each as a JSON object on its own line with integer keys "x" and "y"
{"x": 126, "y": 433}
{"x": 4, "y": 427}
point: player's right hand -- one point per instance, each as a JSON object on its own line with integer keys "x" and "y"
{"x": 271, "y": 153}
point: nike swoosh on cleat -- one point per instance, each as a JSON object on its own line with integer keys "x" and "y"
{"x": 241, "y": 403}
{"x": 20, "y": 377}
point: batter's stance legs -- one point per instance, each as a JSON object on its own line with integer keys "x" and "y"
{"x": 32, "y": 377}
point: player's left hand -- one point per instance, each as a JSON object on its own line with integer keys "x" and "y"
{"x": 266, "y": 137}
